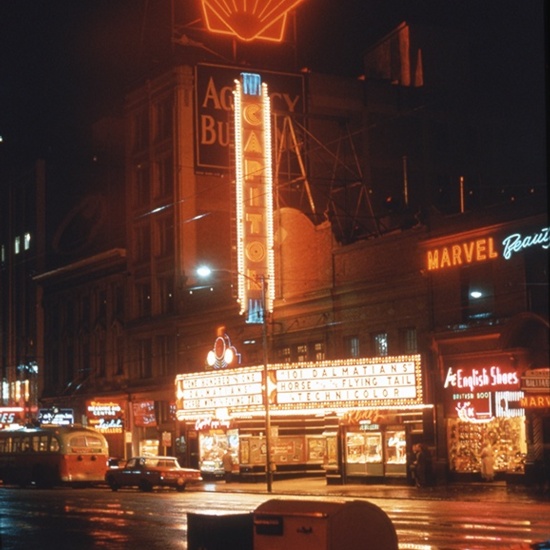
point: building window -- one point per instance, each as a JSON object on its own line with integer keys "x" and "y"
{"x": 143, "y": 243}
{"x": 380, "y": 344}
{"x": 143, "y": 297}
{"x": 165, "y": 236}
{"x": 17, "y": 245}
{"x": 142, "y": 186}
{"x": 102, "y": 308}
{"x": 476, "y": 293}
{"x": 164, "y": 176}
{"x": 3, "y": 254}
{"x": 145, "y": 359}
{"x": 166, "y": 292}
{"x": 141, "y": 130}
{"x": 352, "y": 346}
{"x": 165, "y": 355}
{"x": 408, "y": 340}
{"x": 302, "y": 352}
{"x": 163, "y": 119}
{"x": 27, "y": 241}
{"x": 102, "y": 358}
{"x": 319, "y": 350}
{"x": 119, "y": 356}
{"x": 284, "y": 355}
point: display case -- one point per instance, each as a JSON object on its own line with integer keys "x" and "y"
{"x": 396, "y": 452}
{"x": 506, "y": 436}
{"x": 364, "y": 453}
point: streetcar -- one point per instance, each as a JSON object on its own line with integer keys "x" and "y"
{"x": 52, "y": 456}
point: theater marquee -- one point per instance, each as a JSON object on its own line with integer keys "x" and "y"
{"x": 369, "y": 383}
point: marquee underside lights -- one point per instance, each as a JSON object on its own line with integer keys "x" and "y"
{"x": 254, "y": 196}
{"x": 382, "y": 382}
{"x": 248, "y": 21}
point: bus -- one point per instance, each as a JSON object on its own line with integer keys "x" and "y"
{"x": 51, "y": 456}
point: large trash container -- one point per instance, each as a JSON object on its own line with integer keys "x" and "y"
{"x": 219, "y": 531}
{"x": 321, "y": 525}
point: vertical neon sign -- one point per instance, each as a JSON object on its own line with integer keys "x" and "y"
{"x": 254, "y": 197}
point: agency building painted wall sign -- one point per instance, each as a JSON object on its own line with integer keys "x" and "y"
{"x": 214, "y": 85}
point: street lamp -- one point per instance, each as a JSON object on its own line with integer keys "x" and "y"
{"x": 261, "y": 282}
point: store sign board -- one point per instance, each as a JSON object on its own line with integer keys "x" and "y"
{"x": 144, "y": 414}
{"x": 105, "y": 416}
{"x": 534, "y": 401}
{"x": 536, "y": 380}
{"x": 56, "y": 417}
{"x": 214, "y": 85}
{"x": 471, "y": 385}
{"x": 470, "y": 251}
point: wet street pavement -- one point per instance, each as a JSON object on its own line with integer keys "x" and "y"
{"x": 469, "y": 492}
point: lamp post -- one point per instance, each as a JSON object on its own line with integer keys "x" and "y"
{"x": 205, "y": 271}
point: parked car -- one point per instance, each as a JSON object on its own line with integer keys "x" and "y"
{"x": 146, "y": 472}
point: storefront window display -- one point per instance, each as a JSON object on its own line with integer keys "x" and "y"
{"x": 505, "y": 435}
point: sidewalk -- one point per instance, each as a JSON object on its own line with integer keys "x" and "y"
{"x": 474, "y": 492}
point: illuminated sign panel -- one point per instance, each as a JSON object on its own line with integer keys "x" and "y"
{"x": 371, "y": 383}
{"x": 479, "y": 389}
{"x": 388, "y": 382}
{"x": 482, "y": 249}
{"x": 246, "y": 20}
{"x": 214, "y": 87}
{"x": 238, "y": 389}
{"x": 105, "y": 416}
{"x": 254, "y": 196}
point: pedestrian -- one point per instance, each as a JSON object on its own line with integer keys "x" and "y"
{"x": 487, "y": 462}
{"x": 422, "y": 465}
{"x": 227, "y": 466}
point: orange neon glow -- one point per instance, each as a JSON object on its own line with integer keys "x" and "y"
{"x": 463, "y": 253}
{"x": 248, "y": 20}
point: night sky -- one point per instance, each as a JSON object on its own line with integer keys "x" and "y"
{"x": 64, "y": 63}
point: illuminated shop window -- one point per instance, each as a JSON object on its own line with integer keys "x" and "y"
{"x": 408, "y": 340}
{"x": 380, "y": 344}
{"x": 477, "y": 293}
{"x": 17, "y": 245}
{"x": 27, "y": 241}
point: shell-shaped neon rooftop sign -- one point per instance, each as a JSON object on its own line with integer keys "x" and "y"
{"x": 248, "y": 20}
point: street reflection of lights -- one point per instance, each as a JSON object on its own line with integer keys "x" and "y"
{"x": 413, "y": 546}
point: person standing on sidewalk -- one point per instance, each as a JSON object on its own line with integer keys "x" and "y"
{"x": 487, "y": 462}
{"x": 228, "y": 465}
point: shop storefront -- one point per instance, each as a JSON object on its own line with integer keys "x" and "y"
{"x": 346, "y": 419}
{"x": 484, "y": 413}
